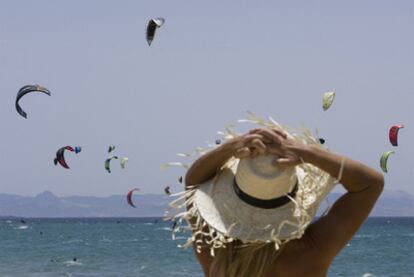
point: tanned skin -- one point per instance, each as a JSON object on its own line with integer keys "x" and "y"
{"x": 312, "y": 254}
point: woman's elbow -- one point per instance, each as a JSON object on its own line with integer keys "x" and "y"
{"x": 378, "y": 183}
{"x": 191, "y": 178}
{"x": 188, "y": 179}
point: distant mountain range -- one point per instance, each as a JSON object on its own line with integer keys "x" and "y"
{"x": 47, "y": 204}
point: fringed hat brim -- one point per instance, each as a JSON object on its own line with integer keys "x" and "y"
{"x": 215, "y": 205}
{"x": 223, "y": 210}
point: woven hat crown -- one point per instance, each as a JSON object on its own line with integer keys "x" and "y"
{"x": 259, "y": 178}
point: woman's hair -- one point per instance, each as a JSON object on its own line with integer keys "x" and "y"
{"x": 243, "y": 260}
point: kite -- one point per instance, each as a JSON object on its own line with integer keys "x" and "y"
{"x": 124, "y": 161}
{"x": 25, "y": 90}
{"x": 384, "y": 160}
{"x": 393, "y": 134}
{"x": 321, "y": 141}
{"x": 218, "y": 141}
{"x": 152, "y": 27}
{"x": 180, "y": 180}
{"x": 108, "y": 163}
{"x": 111, "y": 148}
{"x": 60, "y": 158}
{"x": 129, "y": 197}
{"x": 328, "y": 99}
{"x": 167, "y": 190}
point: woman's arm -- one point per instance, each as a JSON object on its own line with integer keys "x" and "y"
{"x": 206, "y": 167}
{"x": 356, "y": 176}
{"x": 363, "y": 184}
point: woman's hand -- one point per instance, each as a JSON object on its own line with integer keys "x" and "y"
{"x": 278, "y": 144}
{"x": 248, "y": 145}
{"x": 205, "y": 167}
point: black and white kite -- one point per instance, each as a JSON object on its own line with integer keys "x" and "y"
{"x": 152, "y": 27}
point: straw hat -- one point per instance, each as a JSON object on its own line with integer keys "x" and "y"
{"x": 253, "y": 201}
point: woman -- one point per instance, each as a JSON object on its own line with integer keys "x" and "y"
{"x": 274, "y": 250}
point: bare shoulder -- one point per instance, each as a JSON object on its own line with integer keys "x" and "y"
{"x": 299, "y": 258}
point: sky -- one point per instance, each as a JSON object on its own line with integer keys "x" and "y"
{"x": 209, "y": 63}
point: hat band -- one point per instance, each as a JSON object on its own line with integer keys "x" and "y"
{"x": 261, "y": 203}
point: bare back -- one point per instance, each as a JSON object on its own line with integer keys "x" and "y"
{"x": 312, "y": 254}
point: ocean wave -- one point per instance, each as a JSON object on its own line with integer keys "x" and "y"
{"x": 104, "y": 239}
{"x": 372, "y": 236}
{"x": 164, "y": 229}
{"x": 24, "y": 227}
{"x": 72, "y": 241}
{"x": 72, "y": 263}
{"x": 368, "y": 275}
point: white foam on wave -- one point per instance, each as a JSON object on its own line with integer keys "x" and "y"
{"x": 72, "y": 263}
{"x": 164, "y": 228}
{"x": 364, "y": 236}
{"x": 148, "y": 223}
{"x": 368, "y": 275}
{"x": 24, "y": 227}
{"x": 72, "y": 241}
{"x": 105, "y": 239}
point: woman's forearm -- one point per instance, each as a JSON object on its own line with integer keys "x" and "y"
{"x": 207, "y": 165}
{"x": 355, "y": 175}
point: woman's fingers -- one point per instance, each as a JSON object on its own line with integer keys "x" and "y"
{"x": 249, "y": 137}
{"x": 279, "y": 132}
{"x": 275, "y": 150}
{"x": 259, "y": 145}
{"x": 243, "y": 153}
{"x": 261, "y": 141}
{"x": 269, "y": 134}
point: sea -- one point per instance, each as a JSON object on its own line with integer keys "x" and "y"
{"x": 144, "y": 247}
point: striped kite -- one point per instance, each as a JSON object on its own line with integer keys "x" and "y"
{"x": 25, "y": 90}
{"x": 60, "y": 158}
{"x": 108, "y": 163}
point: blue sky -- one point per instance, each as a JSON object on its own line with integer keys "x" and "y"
{"x": 208, "y": 64}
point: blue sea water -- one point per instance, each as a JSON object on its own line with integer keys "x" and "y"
{"x": 143, "y": 247}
